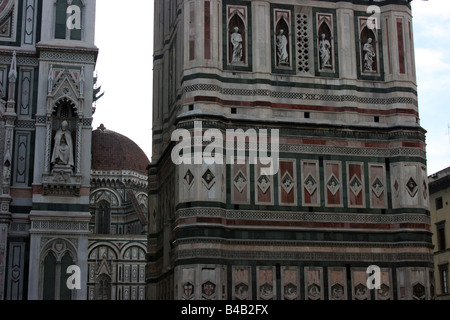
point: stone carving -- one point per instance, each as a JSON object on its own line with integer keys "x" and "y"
{"x": 239, "y": 181}
{"x": 287, "y": 182}
{"x": 290, "y": 291}
{"x": 369, "y": 54}
{"x": 208, "y": 179}
{"x": 310, "y": 184}
{"x": 188, "y": 291}
{"x": 333, "y": 185}
{"x": 377, "y": 187}
{"x": 337, "y": 292}
{"x": 208, "y": 289}
{"x": 264, "y": 183}
{"x": 325, "y": 52}
{"x": 313, "y": 292}
{"x": 266, "y": 291}
{"x": 188, "y": 179}
{"x": 360, "y": 292}
{"x": 236, "y": 41}
{"x": 384, "y": 292}
{"x": 412, "y": 187}
{"x": 282, "y": 49}
{"x": 63, "y": 150}
{"x": 355, "y": 185}
{"x": 241, "y": 291}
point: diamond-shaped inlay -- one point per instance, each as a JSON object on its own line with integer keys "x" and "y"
{"x": 188, "y": 179}
{"x": 355, "y": 185}
{"x": 310, "y": 184}
{"x": 287, "y": 182}
{"x": 396, "y": 185}
{"x": 377, "y": 187}
{"x": 333, "y": 184}
{"x": 412, "y": 187}
{"x": 208, "y": 179}
{"x": 240, "y": 181}
{"x": 264, "y": 183}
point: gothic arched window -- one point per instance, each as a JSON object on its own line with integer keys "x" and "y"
{"x": 103, "y": 288}
{"x": 103, "y": 217}
{"x": 55, "y": 277}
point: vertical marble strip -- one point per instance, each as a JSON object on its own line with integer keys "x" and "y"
{"x": 388, "y": 40}
{"x": 192, "y": 31}
{"x": 29, "y": 22}
{"x": 411, "y": 48}
{"x": 207, "y": 30}
{"x": 401, "y": 46}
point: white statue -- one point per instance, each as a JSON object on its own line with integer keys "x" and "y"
{"x": 325, "y": 52}
{"x": 282, "y": 48}
{"x": 369, "y": 54}
{"x": 236, "y": 40}
{"x": 63, "y": 150}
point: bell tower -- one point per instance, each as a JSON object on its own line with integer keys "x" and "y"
{"x": 324, "y": 94}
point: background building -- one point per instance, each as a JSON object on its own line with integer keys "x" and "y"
{"x": 351, "y": 188}
{"x": 439, "y": 184}
{"x": 118, "y": 205}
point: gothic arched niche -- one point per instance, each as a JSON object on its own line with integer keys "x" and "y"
{"x": 103, "y": 217}
{"x": 64, "y": 126}
{"x": 282, "y": 32}
{"x": 369, "y": 50}
{"x": 237, "y": 40}
{"x": 325, "y": 46}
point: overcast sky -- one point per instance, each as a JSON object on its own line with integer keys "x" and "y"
{"x": 124, "y": 34}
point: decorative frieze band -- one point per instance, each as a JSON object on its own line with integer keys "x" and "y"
{"x": 302, "y": 216}
{"x": 48, "y": 225}
{"x": 302, "y": 243}
{"x": 21, "y": 60}
{"x": 279, "y": 255}
{"x": 68, "y": 57}
{"x": 305, "y": 96}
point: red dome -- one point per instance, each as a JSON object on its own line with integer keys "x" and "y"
{"x": 113, "y": 151}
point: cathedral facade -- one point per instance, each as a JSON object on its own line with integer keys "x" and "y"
{"x": 48, "y": 59}
{"x": 288, "y": 156}
{"x": 73, "y": 201}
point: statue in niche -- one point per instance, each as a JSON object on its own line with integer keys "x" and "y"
{"x": 282, "y": 49}
{"x": 369, "y": 54}
{"x": 236, "y": 40}
{"x": 325, "y": 52}
{"x": 63, "y": 150}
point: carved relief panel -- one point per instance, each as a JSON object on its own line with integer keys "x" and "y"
{"x": 314, "y": 283}
{"x": 290, "y": 283}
